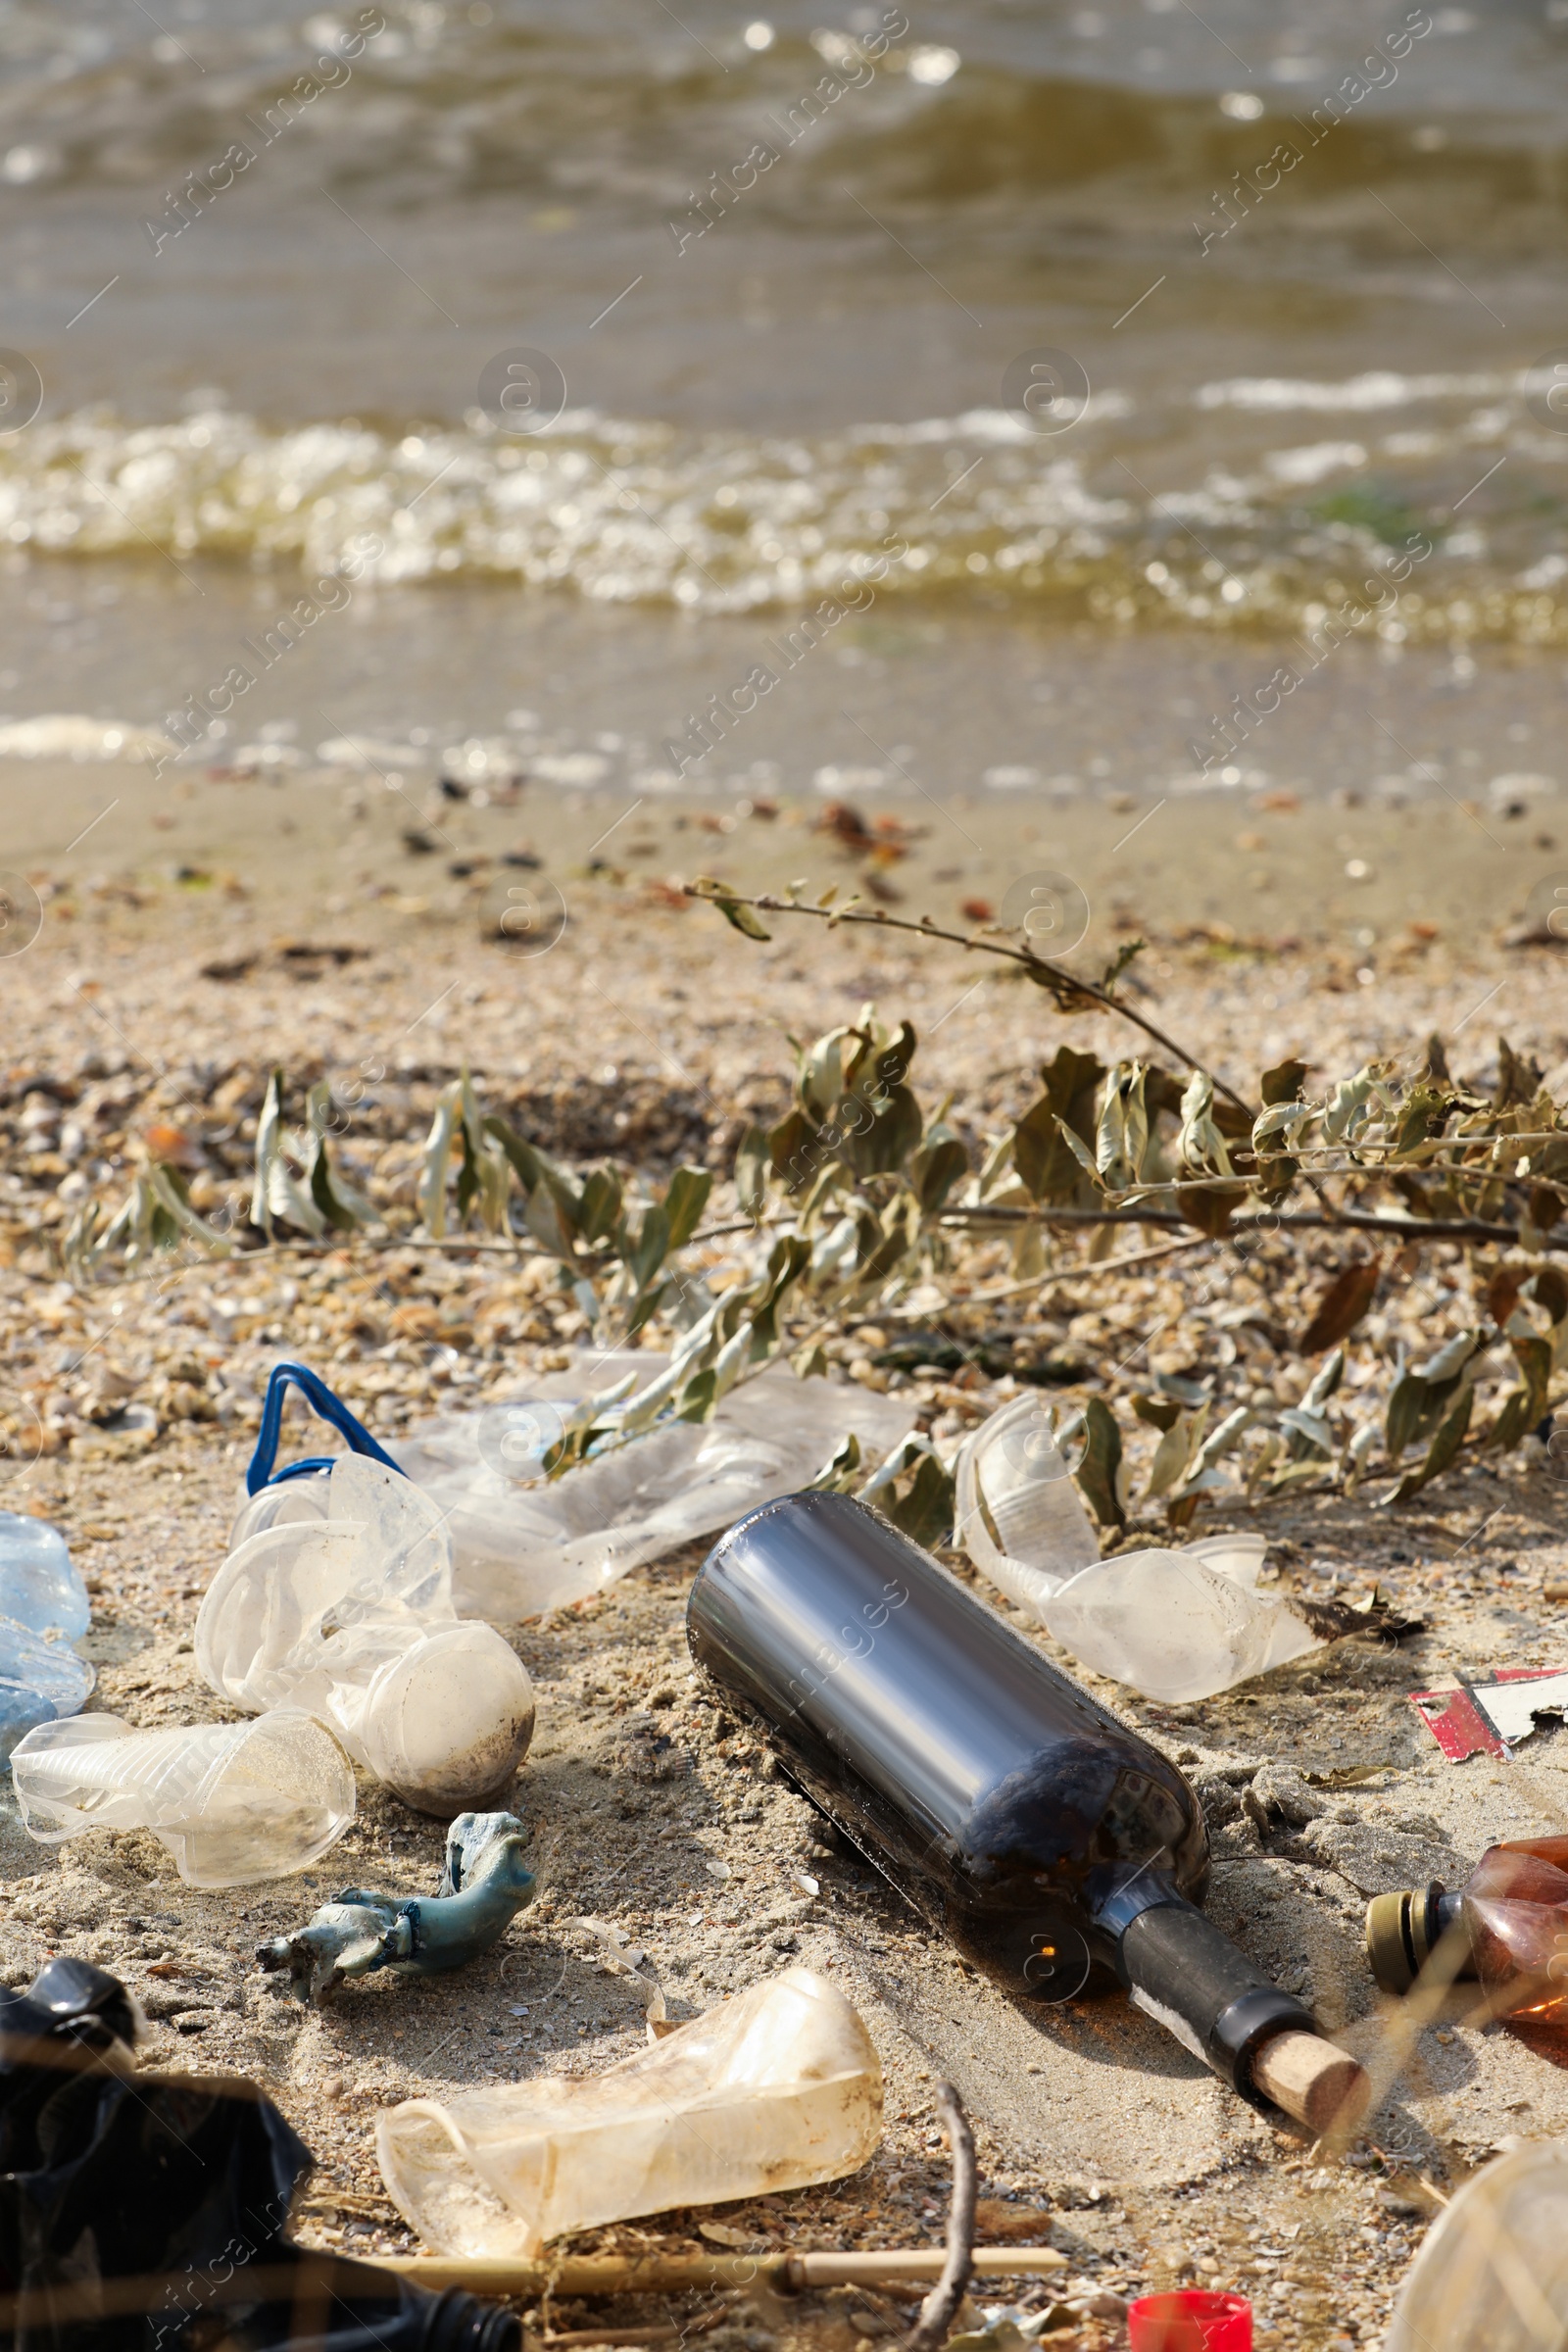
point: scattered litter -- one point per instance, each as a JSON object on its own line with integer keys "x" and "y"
{"x": 1194, "y": 2318}
{"x": 483, "y": 1886}
{"x": 1174, "y": 1623}
{"x": 43, "y": 1609}
{"x": 1490, "y": 1718}
{"x": 1060, "y": 1852}
{"x": 233, "y": 1802}
{"x": 178, "y": 2185}
{"x": 349, "y": 1613}
{"x": 522, "y": 1542}
{"x": 1507, "y": 1925}
{"x": 808, "y": 1885}
{"x": 779, "y": 2088}
{"x": 1492, "y": 2272}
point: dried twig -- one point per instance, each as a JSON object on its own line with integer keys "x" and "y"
{"x": 1064, "y": 985}
{"x": 1405, "y": 1229}
{"x": 938, "y": 2311}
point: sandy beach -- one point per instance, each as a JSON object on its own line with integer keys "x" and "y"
{"x": 213, "y": 927}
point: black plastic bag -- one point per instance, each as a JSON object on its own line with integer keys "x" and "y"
{"x": 145, "y": 2212}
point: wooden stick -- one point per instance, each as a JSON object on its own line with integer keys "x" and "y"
{"x": 585, "y": 2275}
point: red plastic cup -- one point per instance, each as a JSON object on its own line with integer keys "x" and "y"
{"x": 1194, "y": 2320}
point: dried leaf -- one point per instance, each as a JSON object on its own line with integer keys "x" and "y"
{"x": 743, "y": 918}
{"x": 1341, "y": 1307}
{"x": 1099, "y": 1473}
{"x": 1282, "y": 1083}
{"x": 1443, "y": 1449}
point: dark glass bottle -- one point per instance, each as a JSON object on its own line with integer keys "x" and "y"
{"x": 1056, "y": 1849}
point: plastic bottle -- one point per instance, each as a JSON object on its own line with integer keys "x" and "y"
{"x": 1493, "y": 2272}
{"x": 233, "y": 1802}
{"x": 1507, "y": 1925}
{"x": 1175, "y": 1622}
{"x": 43, "y": 1609}
{"x": 779, "y": 2088}
{"x": 351, "y": 1616}
{"x": 1061, "y": 1852}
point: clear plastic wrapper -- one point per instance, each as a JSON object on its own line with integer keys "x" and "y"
{"x": 43, "y": 1610}
{"x": 523, "y": 1544}
{"x": 1493, "y": 2272}
{"x": 775, "y": 2089}
{"x": 1174, "y": 1622}
{"x": 233, "y": 1802}
{"x": 350, "y": 1615}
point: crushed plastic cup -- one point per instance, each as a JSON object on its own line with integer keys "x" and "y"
{"x": 349, "y": 1614}
{"x": 1492, "y": 2272}
{"x": 779, "y": 2088}
{"x": 43, "y": 1609}
{"x": 522, "y": 1543}
{"x": 233, "y": 1802}
{"x": 1176, "y": 1623}
{"x": 1191, "y": 2320}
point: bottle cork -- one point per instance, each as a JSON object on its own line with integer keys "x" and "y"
{"x": 1314, "y": 2082}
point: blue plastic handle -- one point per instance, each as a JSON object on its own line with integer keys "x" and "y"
{"x": 315, "y": 1392}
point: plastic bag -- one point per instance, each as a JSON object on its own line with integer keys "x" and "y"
{"x": 1175, "y": 1622}
{"x": 350, "y": 1615}
{"x": 1493, "y": 2274}
{"x": 775, "y": 2089}
{"x": 524, "y": 1544}
{"x": 233, "y": 1802}
{"x": 145, "y": 2212}
{"x": 43, "y": 1609}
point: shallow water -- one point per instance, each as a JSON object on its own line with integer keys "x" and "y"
{"x": 1289, "y": 281}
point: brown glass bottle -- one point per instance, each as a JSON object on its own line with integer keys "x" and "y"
{"x": 1060, "y": 1852}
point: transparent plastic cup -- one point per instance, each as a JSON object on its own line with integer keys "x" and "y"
{"x": 775, "y": 2089}
{"x": 1493, "y": 2272}
{"x": 233, "y": 1802}
{"x": 348, "y": 1612}
{"x": 1175, "y": 1622}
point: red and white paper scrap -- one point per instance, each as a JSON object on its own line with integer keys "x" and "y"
{"x": 1490, "y": 1718}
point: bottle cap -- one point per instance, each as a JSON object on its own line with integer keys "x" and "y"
{"x": 1193, "y": 2320}
{"x": 1400, "y": 1931}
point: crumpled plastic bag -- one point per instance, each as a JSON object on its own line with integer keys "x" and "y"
{"x": 524, "y": 1547}
{"x": 1175, "y": 1622}
{"x": 775, "y": 2089}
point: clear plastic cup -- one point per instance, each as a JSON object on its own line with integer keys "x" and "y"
{"x": 233, "y": 1802}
